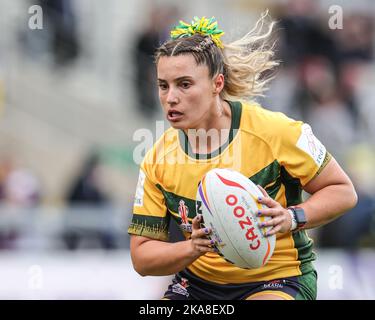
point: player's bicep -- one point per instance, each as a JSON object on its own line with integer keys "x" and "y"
{"x": 331, "y": 174}
{"x": 138, "y": 252}
{"x": 137, "y": 241}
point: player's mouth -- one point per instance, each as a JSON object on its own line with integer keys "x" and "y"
{"x": 174, "y": 115}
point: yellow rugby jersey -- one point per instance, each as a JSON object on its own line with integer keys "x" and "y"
{"x": 274, "y": 151}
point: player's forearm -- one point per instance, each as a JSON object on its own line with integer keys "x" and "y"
{"x": 328, "y": 204}
{"x": 157, "y": 258}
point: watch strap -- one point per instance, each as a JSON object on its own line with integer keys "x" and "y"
{"x": 293, "y": 219}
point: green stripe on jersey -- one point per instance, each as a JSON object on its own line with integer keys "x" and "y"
{"x": 268, "y": 175}
{"x": 293, "y": 194}
{"x": 173, "y": 201}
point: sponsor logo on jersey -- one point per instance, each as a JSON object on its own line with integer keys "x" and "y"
{"x": 140, "y": 191}
{"x": 183, "y": 212}
{"x": 311, "y": 145}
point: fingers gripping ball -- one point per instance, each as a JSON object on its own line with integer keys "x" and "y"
{"x": 229, "y": 207}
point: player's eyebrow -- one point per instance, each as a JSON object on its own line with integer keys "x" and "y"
{"x": 177, "y": 79}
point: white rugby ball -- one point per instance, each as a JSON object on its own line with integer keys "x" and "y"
{"x": 229, "y": 207}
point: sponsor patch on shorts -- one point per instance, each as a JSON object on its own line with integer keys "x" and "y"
{"x": 179, "y": 289}
{"x": 274, "y": 284}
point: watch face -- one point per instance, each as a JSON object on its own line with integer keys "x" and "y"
{"x": 300, "y": 216}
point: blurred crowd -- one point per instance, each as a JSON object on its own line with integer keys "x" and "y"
{"x": 328, "y": 71}
{"x": 88, "y": 214}
{"x": 19, "y": 188}
{"x": 325, "y": 79}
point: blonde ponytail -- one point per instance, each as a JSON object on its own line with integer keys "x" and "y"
{"x": 247, "y": 61}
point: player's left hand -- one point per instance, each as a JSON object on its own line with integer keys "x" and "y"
{"x": 281, "y": 220}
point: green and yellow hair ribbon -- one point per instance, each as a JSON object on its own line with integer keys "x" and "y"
{"x": 204, "y": 26}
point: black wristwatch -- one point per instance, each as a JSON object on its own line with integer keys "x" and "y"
{"x": 299, "y": 217}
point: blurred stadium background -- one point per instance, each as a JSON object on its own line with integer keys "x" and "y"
{"x": 70, "y": 103}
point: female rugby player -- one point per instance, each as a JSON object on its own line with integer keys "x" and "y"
{"x": 206, "y": 89}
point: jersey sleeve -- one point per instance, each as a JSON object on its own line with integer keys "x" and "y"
{"x": 300, "y": 152}
{"x": 150, "y": 218}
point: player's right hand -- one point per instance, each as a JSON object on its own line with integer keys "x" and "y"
{"x": 199, "y": 241}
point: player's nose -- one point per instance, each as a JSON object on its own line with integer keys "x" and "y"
{"x": 172, "y": 97}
